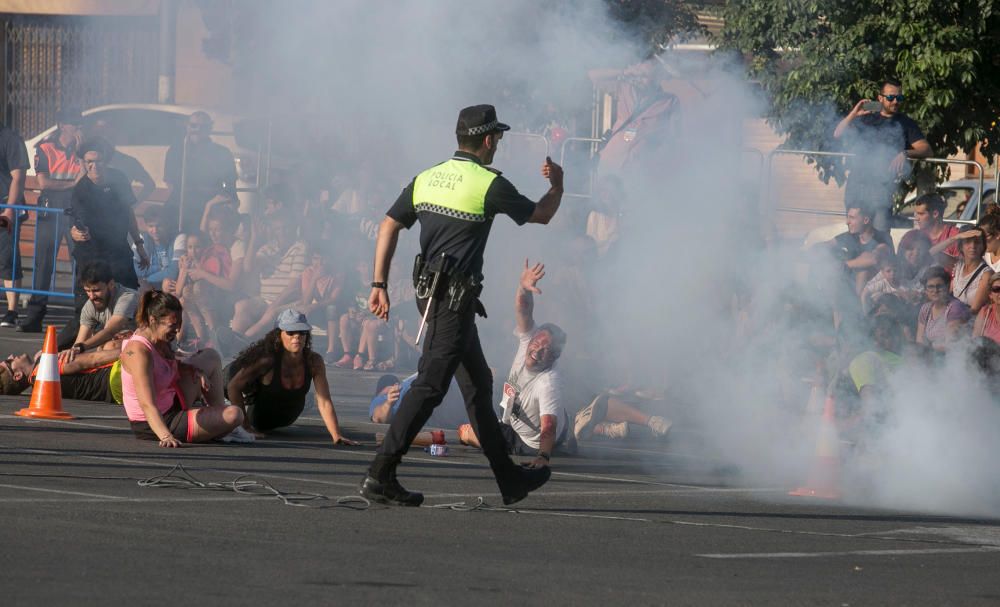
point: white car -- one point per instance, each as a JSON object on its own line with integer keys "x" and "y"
{"x": 146, "y": 130}
{"x": 958, "y": 195}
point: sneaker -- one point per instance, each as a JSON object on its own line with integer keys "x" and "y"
{"x": 612, "y": 430}
{"x": 345, "y": 362}
{"x": 589, "y": 417}
{"x": 238, "y": 435}
{"x": 30, "y": 327}
{"x": 358, "y": 362}
{"x": 389, "y": 492}
{"x": 659, "y": 426}
{"x": 528, "y": 480}
{"x": 9, "y": 319}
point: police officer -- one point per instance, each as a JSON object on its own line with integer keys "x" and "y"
{"x": 455, "y": 202}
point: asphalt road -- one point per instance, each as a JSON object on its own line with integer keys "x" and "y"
{"x": 641, "y": 522}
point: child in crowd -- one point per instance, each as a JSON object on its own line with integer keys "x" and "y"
{"x": 160, "y": 247}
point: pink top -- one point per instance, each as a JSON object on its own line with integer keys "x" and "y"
{"x": 991, "y": 326}
{"x": 165, "y": 376}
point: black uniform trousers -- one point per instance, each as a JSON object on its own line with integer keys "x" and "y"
{"x": 451, "y": 348}
{"x": 50, "y": 230}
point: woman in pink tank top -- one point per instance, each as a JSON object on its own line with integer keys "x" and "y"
{"x": 158, "y": 390}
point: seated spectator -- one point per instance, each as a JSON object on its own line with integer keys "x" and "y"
{"x": 888, "y": 280}
{"x": 610, "y": 417}
{"x": 389, "y": 393}
{"x": 270, "y": 379}
{"x": 110, "y": 309}
{"x": 159, "y": 392}
{"x": 928, "y": 212}
{"x": 321, "y": 287}
{"x": 160, "y": 245}
{"x": 903, "y": 312}
{"x": 970, "y": 274}
{"x": 352, "y": 321}
{"x": 988, "y": 319}
{"x": 942, "y": 318}
{"x": 914, "y": 258}
{"x": 870, "y": 372}
{"x": 858, "y": 246}
{"x": 990, "y": 225}
{"x": 280, "y": 263}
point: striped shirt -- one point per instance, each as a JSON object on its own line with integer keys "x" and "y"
{"x": 287, "y": 269}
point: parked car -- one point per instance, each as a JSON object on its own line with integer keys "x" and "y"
{"x": 146, "y": 130}
{"x": 958, "y": 195}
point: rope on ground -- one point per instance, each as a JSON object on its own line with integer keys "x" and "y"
{"x": 179, "y": 478}
{"x": 481, "y": 505}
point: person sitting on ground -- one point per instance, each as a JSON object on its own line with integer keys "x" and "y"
{"x": 215, "y": 278}
{"x": 389, "y": 393}
{"x": 270, "y": 379}
{"x": 352, "y": 322}
{"x": 942, "y": 318}
{"x": 93, "y": 376}
{"x": 610, "y": 416}
{"x": 280, "y": 263}
{"x": 534, "y": 420}
{"x": 988, "y": 319}
{"x": 110, "y": 309}
{"x": 928, "y": 212}
{"x": 159, "y": 392}
{"x": 160, "y": 246}
{"x": 858, "y": 246}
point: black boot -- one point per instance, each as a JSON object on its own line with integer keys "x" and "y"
{"x": 522, "y": 480}
{"x": 381, "y": 485}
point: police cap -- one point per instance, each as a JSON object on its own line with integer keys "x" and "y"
{"x": 479, "y": 120}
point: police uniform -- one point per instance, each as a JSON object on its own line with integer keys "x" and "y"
{"x": 455, "y": 203}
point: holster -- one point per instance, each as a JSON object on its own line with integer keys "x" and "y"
{"x": 437, "y": 277}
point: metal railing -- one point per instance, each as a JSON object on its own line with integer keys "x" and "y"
{"x": 769, "y": 178}
{"x": 16, "y": 236}
{"x": 591, "y": 173}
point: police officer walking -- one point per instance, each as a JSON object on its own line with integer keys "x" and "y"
{"x": 455, "y": 202}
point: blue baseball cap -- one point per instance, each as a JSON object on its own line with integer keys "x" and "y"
{"x": 292, "y": 320}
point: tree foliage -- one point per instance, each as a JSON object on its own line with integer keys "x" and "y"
{"x": 816, "y": 58}
{"x": 653, "y": 24}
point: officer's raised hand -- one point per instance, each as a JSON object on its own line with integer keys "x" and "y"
{"x": 378, "y": 302}
{"x": 553, "y": 172}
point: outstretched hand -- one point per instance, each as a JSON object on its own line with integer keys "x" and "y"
{"x": 530, "y": 277}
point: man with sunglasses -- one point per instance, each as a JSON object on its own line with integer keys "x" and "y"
{"x": 881, "y": 142}
{"x": 203, "y": 169}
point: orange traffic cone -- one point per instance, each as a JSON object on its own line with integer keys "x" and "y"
{"x": 824, "y": 476}
{"x": 46, "y": 394}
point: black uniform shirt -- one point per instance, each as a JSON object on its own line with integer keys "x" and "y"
{"x": 462, "y": 240}
{"x": 13, "y": 156}
{"x": 105, "y": 210}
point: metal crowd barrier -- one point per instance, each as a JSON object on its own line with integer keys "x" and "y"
{"x": 591, "y": 172}
{"x": 16, "y": 233}
{"x": 769, "y": 177}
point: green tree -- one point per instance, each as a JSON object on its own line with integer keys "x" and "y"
{"x": 814, "y": 56}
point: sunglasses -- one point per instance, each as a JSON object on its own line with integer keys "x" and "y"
{"x": 299, "y": 333}
{"x": 898, "y": 97}
{"x": 199, "y": 126}
{"x": 995, "y": 290}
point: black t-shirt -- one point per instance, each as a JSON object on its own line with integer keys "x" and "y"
{"x": 209, "y": 165}
{"x": 13, "y": 156}
{"x": 876, "y": 140}
{"x": 106, "y": 211}
{"x": 95, "y": 386}
{"x": 462, "y": 240}
{"x": 849, "y": 246}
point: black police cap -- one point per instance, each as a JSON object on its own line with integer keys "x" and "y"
{"x": 479, "y": 120}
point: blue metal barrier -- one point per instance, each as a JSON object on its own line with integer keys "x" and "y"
{"x": 16, "y": 233}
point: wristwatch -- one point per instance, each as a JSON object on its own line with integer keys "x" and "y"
{"x": 380, "y": 285}
{"x": 79, "y": 347}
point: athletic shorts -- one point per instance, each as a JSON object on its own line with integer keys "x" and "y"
{"x": 8, "y": 269}
{"x": 178, "y": 421}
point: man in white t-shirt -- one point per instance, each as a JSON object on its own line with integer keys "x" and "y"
{"x": 534, "y": 420}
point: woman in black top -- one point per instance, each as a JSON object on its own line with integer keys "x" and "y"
{"x": 273, "y": 375}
